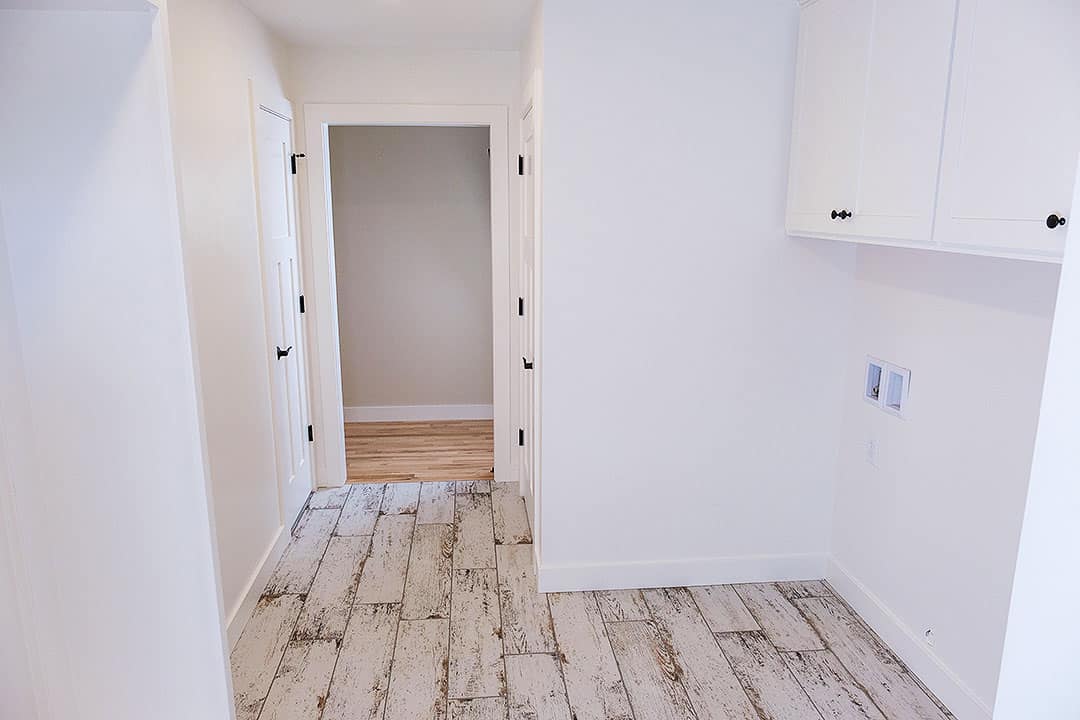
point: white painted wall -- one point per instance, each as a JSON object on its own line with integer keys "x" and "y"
{"x": 928, "y": 538}
{"x": 412, "y": 242}
{"x": 217, "y": 46}
{"x": 693, "y": 355}
{"x": 1037, "y": 681}
{"x": 110, "y": 466}
{"x": 17, "y": 685}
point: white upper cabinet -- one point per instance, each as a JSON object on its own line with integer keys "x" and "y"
{"x": 910, "y": 53}
{"x": 948, "y": 124}
{"x": 834, "y": 41}
{"x": 869, "y": 109}
{"x": 1013, "y": 131}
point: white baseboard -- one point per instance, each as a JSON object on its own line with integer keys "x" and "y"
{"x": 909, "y": 646}
{"x": 241, "y": 613}
{"x": 418, "y": 413}
{"x": 678, "y": 573}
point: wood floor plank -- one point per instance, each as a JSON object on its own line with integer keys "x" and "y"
{"x": 526, "y": 619}
{"x": 723, "y": 609}
{"x": 779, "y": 618}
{"x": 769, "y": 683}
{"x": 470, "y": 487}
{"x": 511, "y": 521}
{"x": 476, "y": 650}
{"x": 890, "y": 685}
{"x": 535, "y": 688}
{"x": 383, "y": 578}
{"x": 436, "y": 503}
{"x": 620, "y": 605}
{"x": 359, "y": 687}
{"x": 488, "y": 708}
{"x": 593, "y": 684}
{"x": 474, "y": 546}
{"x": 831, "y": 687}
{"x": 710, "y": 683}
{"x": 259, "y": 651}
{"x": 427, "y": 586}
{"x": 326, "y": 609}
{"x": 801, "y": 589}
{"x": 400, "y": 499}
{"x": 361, "y": 510}
{"x": 650, "y": 672}
{"x": 419, "y": 451}
{"x": 418, "y": 674}
{"x": 300, "y": 688}
{"x": 328, "y": 498}
{"x": 300, "y": 561}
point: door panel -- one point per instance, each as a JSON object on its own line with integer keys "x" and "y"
{"x": 1011, "y": 137}
{"x": 834, "y": 39}
{"x": 281, "y": 287}
{"x": 910, "y": 56}
{"x": 526, "y": 323}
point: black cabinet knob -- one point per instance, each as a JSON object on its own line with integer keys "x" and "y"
{"x": 834, "y": 214}
{"x": 283, "y": 353}
{"x": 844, "y": 214}
{"x": 1054, "y": 220}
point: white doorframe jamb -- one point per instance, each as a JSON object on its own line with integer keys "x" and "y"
{"x": 320, "y": 278}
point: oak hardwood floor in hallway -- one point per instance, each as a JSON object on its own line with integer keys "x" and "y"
{"x": 418, "y": 601}
{"x": 419, "y": 451}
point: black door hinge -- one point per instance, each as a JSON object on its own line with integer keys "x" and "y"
{"x": 292, "y": 160}
{"x": 303, "y": 305}
{"x": 521, "y": 164}
{"x": 311, "y": 433}
{"x": 521, "y": 437}
{"x": 521, "y": 306}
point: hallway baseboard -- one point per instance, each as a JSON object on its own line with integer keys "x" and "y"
{"x": 240, "y": 614}
{"x": 908, "y": 644}
{"x": 679, "y": 573}
{"x": 417, "y": 413}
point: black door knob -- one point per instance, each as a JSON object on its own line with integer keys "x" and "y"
{"x": 1054, "y": 220}
{"x": 834, "y": 214}
{"x": 283, "y": 353}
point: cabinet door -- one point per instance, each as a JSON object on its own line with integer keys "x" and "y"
{"x": 910, "y": 55}
{"x": 1013, "y": 128}
{"x": 834, "y": 37}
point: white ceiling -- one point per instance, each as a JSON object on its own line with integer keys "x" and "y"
{"x": 403, "y": 24}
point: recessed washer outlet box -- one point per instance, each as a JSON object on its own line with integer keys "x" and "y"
{"x": 886, "y": 386}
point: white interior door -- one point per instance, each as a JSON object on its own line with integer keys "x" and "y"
{"x": 526, "y": 323}
{"x": 281, "y": 286}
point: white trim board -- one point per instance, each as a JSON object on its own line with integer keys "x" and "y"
{"x": 240, "y": 614}
{"x": 680, "y": 573}
{"x": 417, "y": 413}
{"x": 908, "y": 645}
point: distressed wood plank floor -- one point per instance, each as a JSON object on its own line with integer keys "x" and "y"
{"x": 389, "y": 452}
{"x": 424, "y": 606}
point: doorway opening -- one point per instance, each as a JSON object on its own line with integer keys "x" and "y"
{"x": 410, "y": 280}
{"x": 411, "y": 216}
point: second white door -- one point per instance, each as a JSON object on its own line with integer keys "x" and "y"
{"x": 281, "y": 287}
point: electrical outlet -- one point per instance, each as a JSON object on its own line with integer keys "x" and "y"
{"x": 928, "y": 636}
{"x": 872, "y": 451}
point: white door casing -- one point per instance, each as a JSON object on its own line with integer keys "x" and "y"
{"x": 321, "y": 282}
{"x": 281, "y": 292}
